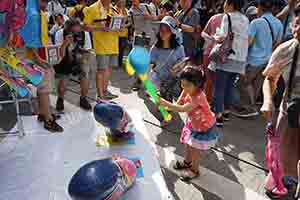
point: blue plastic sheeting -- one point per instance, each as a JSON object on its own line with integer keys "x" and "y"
{"x": 40, "y": 165}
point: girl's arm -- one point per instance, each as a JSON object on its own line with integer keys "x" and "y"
{"x": 175, "y": 107}
{"x": 181, "y": 97}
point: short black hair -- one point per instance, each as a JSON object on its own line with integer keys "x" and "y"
{"x": 266, "y": 5}
{"x": 194, "y": 75}
{"x": 174, "y": 42}
{"x": 59, "y": 15}
{"x": 237, "y": 4}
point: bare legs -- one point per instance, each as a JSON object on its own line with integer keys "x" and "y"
{"x": 100, "y": 74}
{"x": 84, "y": 87}
{"x": 44, "y": 106}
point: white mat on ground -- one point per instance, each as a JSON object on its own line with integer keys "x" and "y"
{"x": 40, "y": 165}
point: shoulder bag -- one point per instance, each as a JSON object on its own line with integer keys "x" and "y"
{"x": 221, "y": 51}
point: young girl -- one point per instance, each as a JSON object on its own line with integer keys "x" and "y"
{"x": 199, "y": 133}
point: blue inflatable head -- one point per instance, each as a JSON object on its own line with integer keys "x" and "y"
{"x": 113, "y": 116}
{"x": 105, "y": 179}
{"x": 139, "y": 58}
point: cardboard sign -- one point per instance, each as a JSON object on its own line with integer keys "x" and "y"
{"x": 52, "y": 54}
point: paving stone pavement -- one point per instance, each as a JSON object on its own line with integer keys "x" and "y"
{"x": 241, "y": 138}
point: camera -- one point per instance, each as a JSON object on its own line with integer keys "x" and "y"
{"x": 78, "y": 38}
{"x": 142, "y": 40}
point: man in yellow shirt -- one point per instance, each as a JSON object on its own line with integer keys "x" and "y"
{"x": 96, "y": 19}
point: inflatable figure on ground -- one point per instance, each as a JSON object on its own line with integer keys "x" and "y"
{"x": 106, "y": 179}
{"x": 114, "y": 117}
{"x": 14, "y": 18}
{"x": 139, "y": 62}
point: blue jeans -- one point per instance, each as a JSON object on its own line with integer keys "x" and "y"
{"x": 225, "y": 90}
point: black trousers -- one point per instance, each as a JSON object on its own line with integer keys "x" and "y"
{"x": 123, "y": 42}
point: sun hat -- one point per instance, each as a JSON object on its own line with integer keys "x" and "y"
{"x": 171, "y": 23}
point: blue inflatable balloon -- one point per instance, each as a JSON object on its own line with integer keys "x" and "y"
{"x": 103, "y": 179}
{"x": 114, "y": 117}
{"x": 139, "y": 58}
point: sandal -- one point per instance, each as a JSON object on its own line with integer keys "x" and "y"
{"x": 41, "y": 118}
{"x": 52, "y": 126}
{"x": 189, "y": 175}
{"x": 182, "y": 165}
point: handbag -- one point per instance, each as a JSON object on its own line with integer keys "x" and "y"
{"x": 293, "y": 107}
{"x": 221, "y": 51}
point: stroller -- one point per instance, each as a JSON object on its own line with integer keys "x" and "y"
{"x": 170, "y": 88}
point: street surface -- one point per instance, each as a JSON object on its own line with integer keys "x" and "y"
{"x": 232, "y": 171}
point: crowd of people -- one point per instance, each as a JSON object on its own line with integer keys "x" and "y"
{"x": 255, "y": 75}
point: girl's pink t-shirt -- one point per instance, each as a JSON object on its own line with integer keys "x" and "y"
{"x": 202, "y": 118}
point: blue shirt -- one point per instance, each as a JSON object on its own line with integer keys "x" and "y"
{"x": 261, "y": 50}
{"x": 165, "y": 59}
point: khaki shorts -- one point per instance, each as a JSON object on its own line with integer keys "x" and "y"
{"x": 254, "y": 76}
{"x": 105, "y": 61}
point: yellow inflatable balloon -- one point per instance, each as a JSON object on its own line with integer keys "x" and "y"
{"x": 129, "y": 68}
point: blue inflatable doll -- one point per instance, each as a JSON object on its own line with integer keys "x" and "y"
{"x": 106, "y": 179}
{"x": 114, "y": 117}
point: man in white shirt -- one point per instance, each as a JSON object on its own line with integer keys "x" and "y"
{"x": 76, "y": 54}
{"x": 55, "y": 7}
{"x": 59, "y": 24}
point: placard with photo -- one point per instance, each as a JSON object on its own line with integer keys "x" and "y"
{"x": 116, "y": 23}
{"x": 52, "y": 54}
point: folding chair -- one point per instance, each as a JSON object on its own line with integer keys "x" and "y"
{"x": 16, "y": 100}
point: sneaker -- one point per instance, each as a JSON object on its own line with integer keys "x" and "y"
{"x": 220, "y": 122}
{"x": 226, "y": 116}
{"x": 136, "y": 86}
{"x": 52, "y": 126}
{"x": 109, "y": 95}
{"x": 60, "y": 104}
{"x": 246, "y": 112}
{"x": 84, "y": 104}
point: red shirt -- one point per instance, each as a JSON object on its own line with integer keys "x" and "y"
{"x": 202, "y": 118}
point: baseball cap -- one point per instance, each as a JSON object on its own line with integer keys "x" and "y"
{"x": 252, "y": 10}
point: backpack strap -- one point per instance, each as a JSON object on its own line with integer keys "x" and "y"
{"x": 229, "y": 23}
{"x": 293, "y": 72}
{"x": 148, "y": 9}
{"x": 185, "y": 14}
{"x": 272, "y": 33}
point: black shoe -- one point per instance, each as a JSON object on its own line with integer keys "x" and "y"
{"x": 41, "y": 118}
{"x": 220, "y": 122}
{"x": 60, "y": 104}
{"x": 52, "y": 126}
{"x": 84, "y": 104}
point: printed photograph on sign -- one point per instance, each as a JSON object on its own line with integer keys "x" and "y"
{"x": 116, "y": 23}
